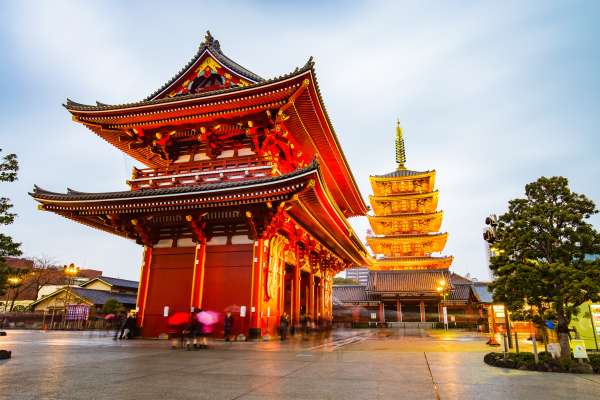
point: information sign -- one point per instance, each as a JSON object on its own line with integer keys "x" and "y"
{"x": 578, "y": 346}
{"x": 166, "y": 314}
{"x": 242, "y": 311}
{"x": 445, "y": 316}
{"x": 373, "y": 315}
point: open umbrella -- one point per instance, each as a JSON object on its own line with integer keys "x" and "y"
{"x": 109, "y": 316}
{"x": 205, "y": 318}
{"x": 179, "y": 318}
{"x": 233, "y": 309}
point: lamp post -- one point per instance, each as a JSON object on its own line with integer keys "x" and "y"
{"x": 442, "y": 290}
{"x": 71, "y": 272}
{"x": 13, "y": 281}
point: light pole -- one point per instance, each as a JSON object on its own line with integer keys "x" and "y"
{"x": 70, "y": 272}
{"x": 442, "y": 290}
{"x": 13, "y": 281}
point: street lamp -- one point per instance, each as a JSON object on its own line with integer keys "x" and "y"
{"x": 13, "y": 281}
{"x": 442, "y": 290}
{"x": 71, "y": 272}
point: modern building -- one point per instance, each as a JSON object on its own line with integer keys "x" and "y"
{"x": 243, "y": 200}
{"x": 360, "y": 275}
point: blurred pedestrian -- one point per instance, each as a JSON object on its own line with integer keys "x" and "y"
{"x": 304, "y": 327}
{"x": 192, "y": 333}
{"x": 128, "y": 326}
{"x": 283, "y": 326}
{"x": 119, "y": 325}
{"x": 228, "y": 326}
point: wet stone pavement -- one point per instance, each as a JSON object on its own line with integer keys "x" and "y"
{"x": 349, "y": 364}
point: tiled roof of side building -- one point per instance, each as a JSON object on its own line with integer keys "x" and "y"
{"x": 420, "y": 281}
{"x": 353, "y": 294}
{"x": 72, "y": 195}
{"x": 461, "y": 293}
{"x": 480, "y": 289}
{"x": 459, "y": 279}
{"x": 100, "y": 296}
{"x": 119, "y": 282}
{"x": 401, "y": 173}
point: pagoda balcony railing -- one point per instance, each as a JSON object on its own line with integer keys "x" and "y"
{"x": 198, "y": 173}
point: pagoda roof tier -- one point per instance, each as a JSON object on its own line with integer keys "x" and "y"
{"x": 402, "y": 263}
{"x": 303, "y": 195}
{"x": 390, "y": 224}
{"x": 290, "y": 107}
{"x": 379, "y": 203}
{"x": 410, "y": 282}
{"x": 383, "y": 184}
{"x": 431, "y": 243}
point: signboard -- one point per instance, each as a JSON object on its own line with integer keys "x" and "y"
{"x": 373, "y": 315}
{"x": 554, "y": 348}
{"x": 596, "y": 317}
{"x": 242, "y": 311}
{"x": 499, "y": 315}
{"x": 268, "y": 312}
{"x": 578, "y": 346}
{"x": 445, "y": 316}
{"x": 166, "y": 314}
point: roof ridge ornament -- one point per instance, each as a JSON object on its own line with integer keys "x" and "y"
{"x": 400, "y": 152}
{"x": 210, "y": 41}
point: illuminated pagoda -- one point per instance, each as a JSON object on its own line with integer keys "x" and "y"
{"x": 406, "y": 279}
{"x": 243, "y": 201}
{"x": 406, "y": 221}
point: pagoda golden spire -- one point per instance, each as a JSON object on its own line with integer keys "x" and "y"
{"x": 400, "y": 153}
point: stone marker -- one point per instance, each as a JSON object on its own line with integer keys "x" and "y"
{"x": 4, "y": 354}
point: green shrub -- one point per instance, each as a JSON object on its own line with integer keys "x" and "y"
{"x": 594, "y": 360}
{"x": 439, "y": 325}
{"x": 111, "y": 306}
{"x": 544, "y": 355}
{"x": 566, "y": 362}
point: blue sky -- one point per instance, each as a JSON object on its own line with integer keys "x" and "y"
{"x": 492, "y": 95}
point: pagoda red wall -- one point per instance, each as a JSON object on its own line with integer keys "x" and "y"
{"x": 169, "y": 284}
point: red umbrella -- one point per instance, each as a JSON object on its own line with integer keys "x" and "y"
{"x": 179, "y": 318}
{"x": 109, "y": 316}
{"x": 233, "y": 309}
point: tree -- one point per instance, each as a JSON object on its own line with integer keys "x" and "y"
{"x": 42, "y": 272}
{"x": 111, "y": 306}
{"x": 8, "y": 173}
{"x": 541, "y": 268}
{"x": 7, "y": 272}
{"x": 344, "y": 281}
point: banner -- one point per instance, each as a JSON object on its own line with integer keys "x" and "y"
{"x": 77, "y": 313}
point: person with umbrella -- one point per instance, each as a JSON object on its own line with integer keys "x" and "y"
{"x": 192, "y": 333}
{"x": 228, "y": 326}
{"x": 175, "y": 321}
{"x": 206, "y": 319}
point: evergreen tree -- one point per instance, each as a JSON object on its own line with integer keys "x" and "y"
{"x": 8, "y": 173}
{"x": 541, "y": 268}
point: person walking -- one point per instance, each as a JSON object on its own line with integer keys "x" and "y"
{"x": 283, "y": 326}
{"x": 228, "y": 326}
{"x": 192, "y": 333}
{"x": 121, "y": 319}
{"x": 128, "y": 325}
{"x": 304, "y": 327}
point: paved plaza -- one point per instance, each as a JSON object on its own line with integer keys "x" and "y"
{"x": 349, "y": 364}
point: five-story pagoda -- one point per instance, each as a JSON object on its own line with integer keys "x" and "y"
{"x": 406, "y": 225}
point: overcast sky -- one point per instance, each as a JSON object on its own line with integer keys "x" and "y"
{"x": 492, "y": 95}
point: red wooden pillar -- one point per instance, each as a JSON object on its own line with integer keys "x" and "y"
{"x": 398, "y": 310}
{"x": 322, "y": 297}
{"x": 310, "y": 307}
{"x": 296, "y": 295}
{"x": 422, "y": 310}
{"x": 255, "y": 331}
{"x": 198, "y": 279}
{"x": 381, "y": 316}
{"x": 143, "y": 288}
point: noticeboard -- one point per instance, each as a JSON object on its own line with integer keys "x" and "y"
{"x": 578, "y": 347}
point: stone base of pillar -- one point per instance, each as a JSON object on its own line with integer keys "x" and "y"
{"x": 254, "y": 334}
{"x": 241, "y": 338}
{"x": 266, "y": 337}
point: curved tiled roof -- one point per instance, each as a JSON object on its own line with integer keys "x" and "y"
{"x": 401, "y": 173}
{"x": 408, "y": 258}
{"x": 353, "y": 294}
{"x": 407, "y": 236}
{"x": 71, "y": 195}
{"x": 419, "y": 281}
{"x": 95, "y": 296}
{"x": 114, "y": 282}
